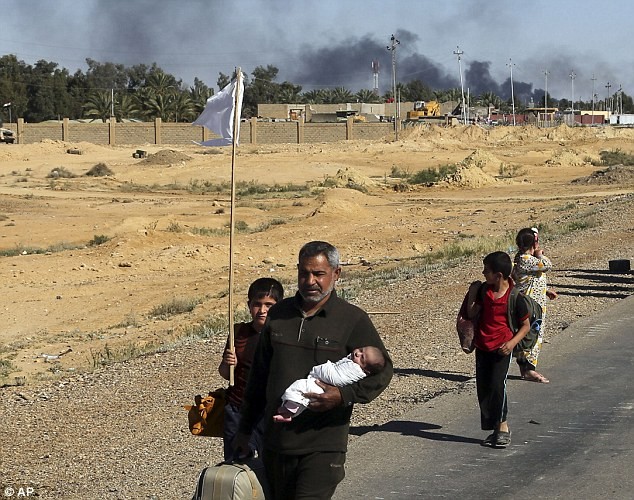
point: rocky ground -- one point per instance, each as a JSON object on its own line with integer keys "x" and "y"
{"x": 121, "y": 432}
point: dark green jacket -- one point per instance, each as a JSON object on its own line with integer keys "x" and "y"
{"x": 290, "y": 345}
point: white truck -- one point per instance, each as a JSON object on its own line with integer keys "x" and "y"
{"x": 7, "y": 136}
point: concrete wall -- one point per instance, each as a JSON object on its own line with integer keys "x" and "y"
{"x": 157, "y": 132}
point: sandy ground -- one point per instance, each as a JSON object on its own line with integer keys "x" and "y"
{"x": 166, "y": 225}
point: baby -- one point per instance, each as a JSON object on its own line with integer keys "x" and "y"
{"x": 358, "y": 364}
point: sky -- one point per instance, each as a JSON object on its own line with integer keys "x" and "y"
{"x": 332, "y": 43}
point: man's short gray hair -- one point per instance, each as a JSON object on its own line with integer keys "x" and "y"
{"x": 315, "y": 248}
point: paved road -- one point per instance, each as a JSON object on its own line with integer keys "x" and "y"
{"x": 572, "y": 438}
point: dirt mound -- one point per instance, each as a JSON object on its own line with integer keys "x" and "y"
{"x": 166, "y": 157}
{"x": 469, "y": 177}
{"x": 348, "y": 178}
{"x": 616, "y": 174}
{"x": 481, "y": 159}
{"x": 470, "y": 171}
{"x": 567, "y": 157}
{"x": 340, "y": 202}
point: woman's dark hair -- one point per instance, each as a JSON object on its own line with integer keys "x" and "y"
{"x": 525, "y": 239}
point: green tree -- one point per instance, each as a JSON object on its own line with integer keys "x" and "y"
{"x": 313, "y": 97}
{"x": 46, "y": 91}
{"x": 416, "y": 90}
{"x": 223, "y": 80}
{"x": 288, "y": 93}
{"x": 261, "y": 90}
{"x": 158, "y": 106}
{"x": 367, "y": 95}
{"x": 182, "y": 107}
{"x": 125, "y": 106}
{"x": 199, "y": 93}
{"x": 338, "y": 95}
{"x": 105, "y": 76}
{"x": 13, "y": 87}
{"x": 162, "y": 83}
{"x": 99, "y": 105}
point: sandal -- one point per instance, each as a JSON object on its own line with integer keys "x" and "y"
{"x": 489, "y": 440}
{"x": 502, "y": 439}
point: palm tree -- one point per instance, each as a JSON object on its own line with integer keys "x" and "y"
{"x": 158, "y": 106}
{"x": 288, "y": 94}
{"x": 199, "y": 94}
{"x": 161, "y": 83}
{"x": 183, "y": 107}
{"x": 366, "y": 95}
{"x": 313, "y": 97}
{"x": 490, "y": 99}
{"x": 99, "y": 105}
{"x": 341, "y": 95}
{"x": 125, "y": 107}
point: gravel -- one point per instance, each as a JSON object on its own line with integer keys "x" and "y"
{"x": 121, "y": 431}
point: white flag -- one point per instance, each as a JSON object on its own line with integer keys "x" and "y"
{"x": 218, "y": 114}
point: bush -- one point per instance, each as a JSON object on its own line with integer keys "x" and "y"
{"x": 174, "y": 307}
{"x": 98, "y": 240}
{"x": 60, "y": 173}
{"x": 432, "y": 175}
{"x": 615, "y": 157}
{"x": 100, "y": 170}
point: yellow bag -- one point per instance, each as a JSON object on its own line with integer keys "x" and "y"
{"x": 206, "y": 417}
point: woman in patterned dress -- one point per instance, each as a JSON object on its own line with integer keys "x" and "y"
{"x": 529, "y": 273}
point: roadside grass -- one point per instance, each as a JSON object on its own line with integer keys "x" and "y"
{"x": 454, "y": 252}
{"x": 175, "y": 306}
{"x": 6, "y": 368}
{"x": 244, "y": 189}
{"x": 211, "y": 326}
{"x": 20, "y": 249}
{"x": 240, "y": 227}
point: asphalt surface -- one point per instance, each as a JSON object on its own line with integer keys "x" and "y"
{"x": 572, "y": 438}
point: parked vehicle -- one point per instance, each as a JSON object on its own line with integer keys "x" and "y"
{"x": 7, "y": 136}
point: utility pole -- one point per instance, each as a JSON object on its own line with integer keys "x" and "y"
{"x": 459, "y": 53}
{"x": 572, "y": 95}
{"x": 510, "y": 65}
{"x": 546, "y": 73}
{"x": 392, "y": 48}
{"x": 607, "y": 98}
{"x": 593, "y": 97}
{"x": 111, "y": 103}
{"x": 619, "y": 100}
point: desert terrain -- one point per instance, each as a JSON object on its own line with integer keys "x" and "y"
{"x": 99, "y": 353}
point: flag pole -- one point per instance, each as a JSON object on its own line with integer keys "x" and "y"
{"x": 236, "y": 118}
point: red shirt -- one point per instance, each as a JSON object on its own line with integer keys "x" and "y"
{"x": 245, "y": 341}
{"x": 493, "y": 325}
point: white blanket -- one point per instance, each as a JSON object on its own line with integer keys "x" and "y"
{"x": 343, "y": 372}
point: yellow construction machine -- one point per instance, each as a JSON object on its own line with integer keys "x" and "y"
{"x": 424, "y": 109}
